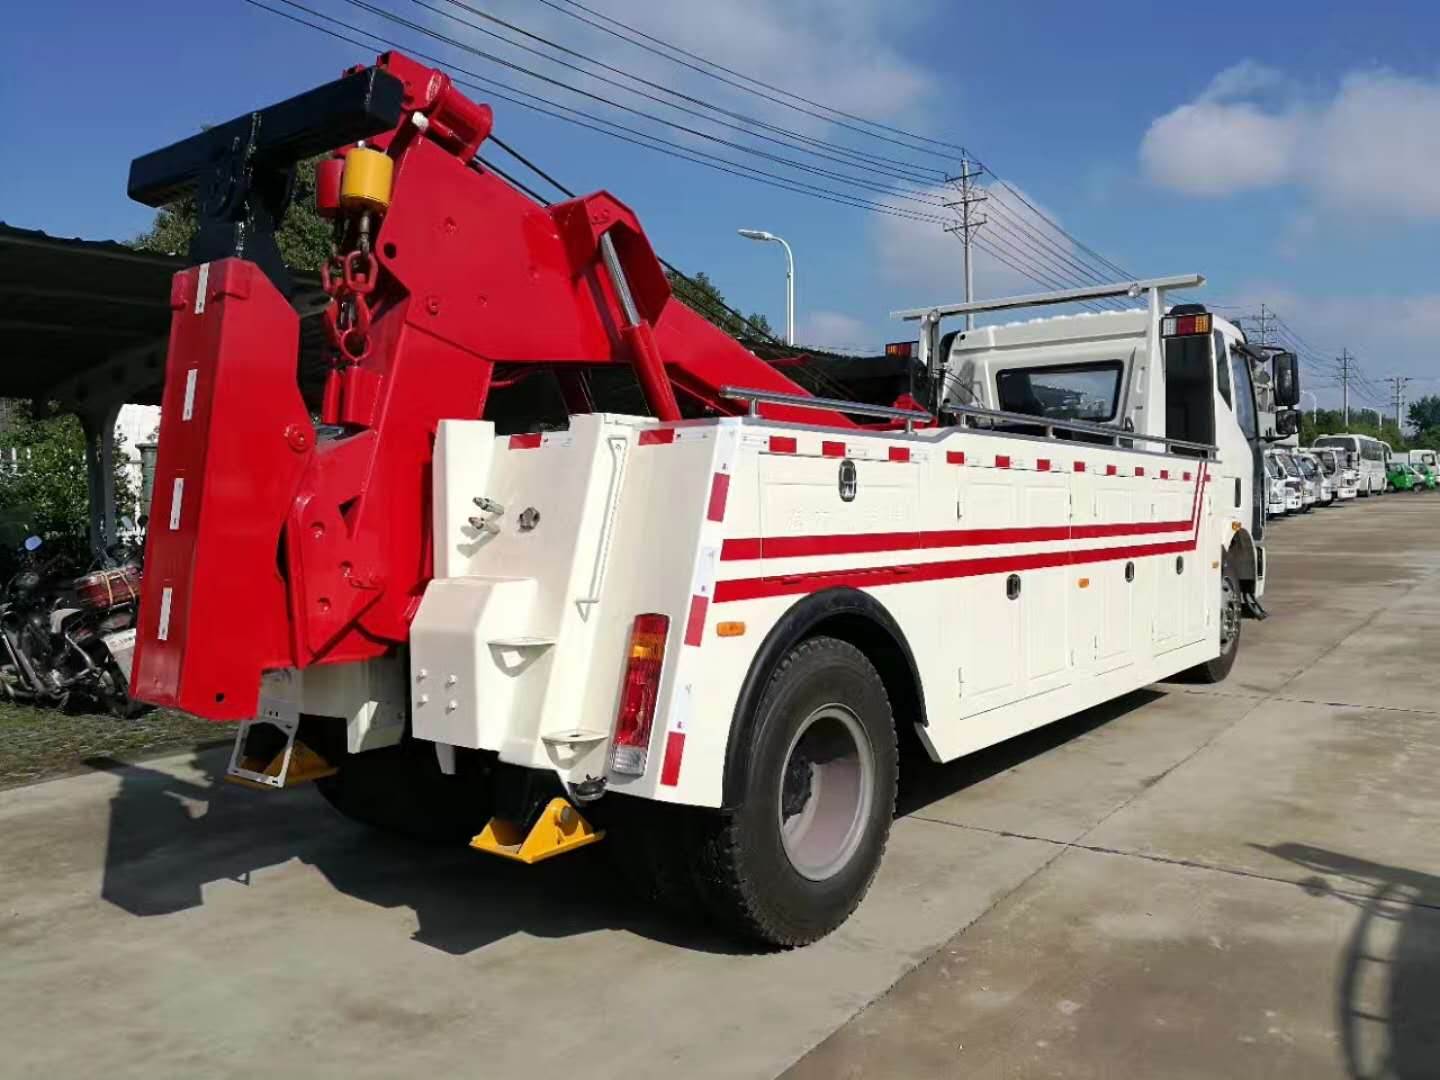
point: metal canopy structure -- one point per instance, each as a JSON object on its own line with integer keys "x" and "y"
{"x": 69, "y": 308}
{"x": 84, "y": 326}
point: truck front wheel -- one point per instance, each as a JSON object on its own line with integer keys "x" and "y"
{"x": 796, "y": 856}
{"x": 1214, "y": 671}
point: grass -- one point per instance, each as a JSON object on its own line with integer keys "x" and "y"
{"x": 36, "y": 744}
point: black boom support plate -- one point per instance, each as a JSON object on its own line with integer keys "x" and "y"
{"x": 242, "y": 171}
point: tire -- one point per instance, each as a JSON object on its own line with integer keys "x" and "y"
{"x": 773, "y": 869}
{"x": 1216, "y": 670}
{"x": 113, "y": 693}
{"x": 400, "y": 789}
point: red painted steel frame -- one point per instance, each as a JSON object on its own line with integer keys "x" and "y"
{"x": 285, "y": 550}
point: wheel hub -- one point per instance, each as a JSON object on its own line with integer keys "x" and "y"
{"x": 1229, "y": 615}
{"x": 826, "y": 792}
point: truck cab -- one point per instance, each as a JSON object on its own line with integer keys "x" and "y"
{"x": 1096, "y": 368}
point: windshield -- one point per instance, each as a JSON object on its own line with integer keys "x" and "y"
{"x": 1291, "y": 469}
{"x": 1307, "y": 468}
{"x": 1276, "y": 470}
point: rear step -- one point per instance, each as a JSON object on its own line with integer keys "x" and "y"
{"x": 267, "y": 755}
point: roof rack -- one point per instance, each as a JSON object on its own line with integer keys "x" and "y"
{"x": 1133, "y": 289}
{"x": 1116, "y": 436}
{"x": 1152, "y": 289}
{"x": 756, "y": 398}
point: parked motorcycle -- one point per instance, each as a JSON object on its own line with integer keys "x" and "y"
{"x": 67, "y": 641}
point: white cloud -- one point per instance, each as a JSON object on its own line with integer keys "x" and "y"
{"x": 1380, "y": 145}
{"x": 1215, "y": 148}
{"x": 1371, "y": 148}
{"x": 834, "y": 329}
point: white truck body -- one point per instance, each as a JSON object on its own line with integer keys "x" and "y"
{"x": 726, "y": 525}
{"x": 1082, "y": 525}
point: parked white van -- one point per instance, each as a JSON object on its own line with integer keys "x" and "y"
{"x": 1343, "y": 477}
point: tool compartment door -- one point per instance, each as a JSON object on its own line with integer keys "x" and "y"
{"x": 1172, "y": 572}
{"x": 1045, "y": 593}
{"x": 1113, "y": 586}
{"x": 984, "y": 621}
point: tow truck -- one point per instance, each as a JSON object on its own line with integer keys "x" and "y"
{"x": 703, "y": 628}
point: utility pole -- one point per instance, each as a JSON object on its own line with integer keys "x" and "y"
{"x": 1263, "y": 321}
{"x": 969, "y": 223}
{"x": 1344, "y": 361}
{"x": 1397, "y": 382}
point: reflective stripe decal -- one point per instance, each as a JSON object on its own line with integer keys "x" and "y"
{"x": 674, "y": 750}
{"x": 695, "y": 622}
{"x": 202, "y": 286}
{"x": 177, "y": 497}
{"x": 719, "y": 493}
{"x": 870, "y": 577}
{"x": 162, "y": 629}
{"x": 191, "y": 377}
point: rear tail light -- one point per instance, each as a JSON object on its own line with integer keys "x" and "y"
{"x": 638, "y": 693}
{"x": 1178, "y": 325}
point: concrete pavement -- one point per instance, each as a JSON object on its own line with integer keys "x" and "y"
{"x": 1228, "y": 881}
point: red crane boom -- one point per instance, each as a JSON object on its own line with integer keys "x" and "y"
{"x": 274, "y": 544}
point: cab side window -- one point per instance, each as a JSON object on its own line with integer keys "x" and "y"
{"x": 1222, "y": 369}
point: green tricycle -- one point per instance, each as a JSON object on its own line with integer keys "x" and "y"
{"x": 1402, "y": 477}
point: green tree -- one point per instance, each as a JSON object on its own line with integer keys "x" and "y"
{"x": 43, "y": 485}
{"x": 1424, "y": 415}
{"x": 303, "y": 237}
{"x": 704, "y": 297}
{"x": 1362, "y": 422}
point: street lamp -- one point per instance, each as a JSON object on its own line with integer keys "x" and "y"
{"x": 1314, "y": 405}
{"x": 761, "y": 234}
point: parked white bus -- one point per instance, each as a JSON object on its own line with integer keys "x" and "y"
{"x": 1370, "y": 455}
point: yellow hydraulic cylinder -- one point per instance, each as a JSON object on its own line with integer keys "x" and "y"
{"x": 366, "y": 182}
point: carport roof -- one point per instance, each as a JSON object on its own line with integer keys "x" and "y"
{"x": 67, "y": 305}
{"x": 71, "y": 309}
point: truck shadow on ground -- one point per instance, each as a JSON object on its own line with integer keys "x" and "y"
{"x": 1387, "y": 992}
{"x": 171, "y": 837}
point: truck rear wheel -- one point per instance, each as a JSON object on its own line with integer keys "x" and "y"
{"x": 401, "y": 789}
{"x": 1214, "y": 671}
{"x": 796, "y": 856}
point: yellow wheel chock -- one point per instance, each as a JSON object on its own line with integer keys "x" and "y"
{"x": 561, "y": 828}
{"x": 270, "y": 767}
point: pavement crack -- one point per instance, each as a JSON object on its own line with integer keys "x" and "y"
{"x": 1167, "y": 860}
{"x": 1262, "y": 697}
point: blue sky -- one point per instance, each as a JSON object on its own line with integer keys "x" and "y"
{"x": 1290, "y": 152}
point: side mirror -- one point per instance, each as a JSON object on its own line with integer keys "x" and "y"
{"x": 1287, "y": 379}
{"x": 1287, "y": 422}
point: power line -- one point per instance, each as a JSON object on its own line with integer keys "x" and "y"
{"x": 504, "y": 92}
{"x": 710, "y": 64}
{"x": 913, "y": 169}
{"x": 965, "y": 156}
{"x": 1031, "y": 263}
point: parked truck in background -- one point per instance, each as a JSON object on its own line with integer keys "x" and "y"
{"x": 703, "y": 629}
